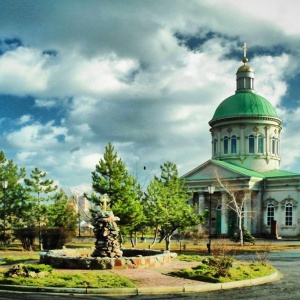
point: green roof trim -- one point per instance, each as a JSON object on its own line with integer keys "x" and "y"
{"x": 243, "y": 171}
{"x": 244, "y": 104}
{"x": 235, "y": 168}
{"x": 279, "y": 173}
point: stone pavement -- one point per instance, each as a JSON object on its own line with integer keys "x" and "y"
{"x": 157, "y": 277}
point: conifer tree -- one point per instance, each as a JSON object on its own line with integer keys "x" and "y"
{"x": 16, "y": 198}
{"x": 112, "y": 178}
{"x": 62, "y": 213}
{"x": 40, "y": 188}
{"x": 166, "y": 204}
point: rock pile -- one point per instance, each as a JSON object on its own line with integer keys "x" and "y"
{"x": 106, "y": 232}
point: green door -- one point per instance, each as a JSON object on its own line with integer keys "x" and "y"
{"x": 218, "y": 222}
{"x": 231, "y": 223}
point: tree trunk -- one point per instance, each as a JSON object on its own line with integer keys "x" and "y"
{"x": 241, "y": 231}
{"x": 121, "y": 240}
{"x": 154, "y": 238}
{"x": 168, "y": 242}
{"x": 133, "y": 239}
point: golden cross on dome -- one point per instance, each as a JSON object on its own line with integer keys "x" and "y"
{"x": 245, "y": 49}
{"x": 245, "y": 59}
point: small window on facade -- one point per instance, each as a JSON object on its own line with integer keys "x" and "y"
{"x": 277, "y": 147}
{"x": 270, "y": 214}
{"x": 233, "y": 144}
{"x": 225, "y": 145}
{"x": 288, "y": 214}
{"x": 251, "y": 143}
{"x": 260, "y": 144}
{"x": 273, "y": 146}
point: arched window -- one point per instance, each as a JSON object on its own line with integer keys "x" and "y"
{"x": 251, "y": 143}
{"x": 270, "y": 214}
{"x": 273, "y": 146}
{"x": 288, "y": 214}
{"x": 233, "y": 144}
{"x": 260, "y": 144}
{"x": 225, "y": 144}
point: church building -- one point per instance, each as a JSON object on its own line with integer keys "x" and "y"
{"x": 245, "y": 145}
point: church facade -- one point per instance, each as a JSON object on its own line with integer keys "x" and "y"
{"x": 245, "y": 145}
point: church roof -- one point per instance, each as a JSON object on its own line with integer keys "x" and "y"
{"x": 280, "y": 174}
{"x": 245, "y": 104}
{"x": 238, "y": 169}
{"x": 199, "y": 174}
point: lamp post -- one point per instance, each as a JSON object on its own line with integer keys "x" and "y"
{"x": 79, "y": 232}
{"x": 4, "y": 183}
{"x": 211, "y": 190}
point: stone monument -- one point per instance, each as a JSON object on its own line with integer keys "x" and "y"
{"x": 106, "y": 232}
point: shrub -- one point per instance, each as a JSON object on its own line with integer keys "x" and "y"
{"x": 26, "y": 237}
{"x": 222, "y": 258}
{"x": 55, "y": 238}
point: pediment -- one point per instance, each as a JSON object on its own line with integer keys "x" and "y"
{"x": 210, "y": 170}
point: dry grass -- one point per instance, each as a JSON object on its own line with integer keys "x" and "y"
{"x": 235, "y": 247}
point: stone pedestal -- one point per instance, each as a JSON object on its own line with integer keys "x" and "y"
{"x": 106, "y": 232}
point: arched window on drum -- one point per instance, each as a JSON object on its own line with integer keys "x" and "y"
{"x": 233, "y": 144}
{"x": 225, "y": 144}
{"x": 251, "y": 143}
{"x": 260, "y": 144}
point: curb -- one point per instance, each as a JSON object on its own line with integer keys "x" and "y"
{"x": 203, "y": 287}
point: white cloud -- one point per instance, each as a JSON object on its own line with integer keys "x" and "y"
{"x": 22, "y": 72}
{"x": 37, "y": 136}
{"x": 118, "y": 74}
{"x": 24, "y": 119}
{"x": 89, "y": 161}
{"x": 47, "y": 103}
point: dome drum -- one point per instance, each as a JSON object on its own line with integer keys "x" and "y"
{"x": 245, "y": 127}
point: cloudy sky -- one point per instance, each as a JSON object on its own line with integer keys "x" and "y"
{"x": 146, "y": 76}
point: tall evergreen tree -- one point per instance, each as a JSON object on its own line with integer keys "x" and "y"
{"x": 112, "y": 178}
{"x": 40, "y": 188}
{"x": 16, "y": 196}
{"x": 166, "y": 204}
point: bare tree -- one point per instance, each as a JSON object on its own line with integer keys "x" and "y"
{"x": 236, "y": 202}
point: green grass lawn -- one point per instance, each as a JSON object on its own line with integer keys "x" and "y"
{"x": 72, "y": 279}
{"x": 239, "y": 271}
{"x": 14, "y": 255}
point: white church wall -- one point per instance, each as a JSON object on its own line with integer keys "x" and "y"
{"x": 280, "y": 197}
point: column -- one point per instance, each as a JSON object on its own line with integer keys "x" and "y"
{"x": 224, "y": 214}
{"x": 219, "y": 143}
{"x": 201, "y": 202}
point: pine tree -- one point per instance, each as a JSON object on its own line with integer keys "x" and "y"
{"x": 16, "y": 196}
{"x": 112, "y": 178}
{"x": 40, "y": 187}
{"x": 166, "y": 204}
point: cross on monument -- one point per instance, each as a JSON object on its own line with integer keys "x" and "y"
{"x": 105, "y": 199}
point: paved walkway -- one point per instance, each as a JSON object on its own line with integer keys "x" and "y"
{"x": 157, "y": 277}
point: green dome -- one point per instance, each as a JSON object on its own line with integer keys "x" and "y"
{"x": 244, "y": 104}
